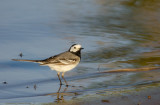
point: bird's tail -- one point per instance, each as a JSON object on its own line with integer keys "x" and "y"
{"x": 25, "y": 60}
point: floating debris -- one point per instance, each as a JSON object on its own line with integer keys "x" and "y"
{"x": 27, "y": 86}
{"x": 149, "y": 97}
{"x": 139, "y": 103}
{"x": 105, "y": 101}
{"x": 98, "y": 68}
{"x": 4, "y": 82}
{"x": 76, "y": 94}
{"x": 81, "y": 86}
{"x": 21, "y": 55}
{"x": 35, "y": 86}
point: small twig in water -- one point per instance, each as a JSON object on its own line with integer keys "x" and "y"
{"x": 98, "y": 68}
{"x": 21, "y": 55}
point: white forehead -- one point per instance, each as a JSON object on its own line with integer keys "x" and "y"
{"x": 77, "y": 46}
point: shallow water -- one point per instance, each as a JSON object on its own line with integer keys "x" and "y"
{"x": 116, "y": 34}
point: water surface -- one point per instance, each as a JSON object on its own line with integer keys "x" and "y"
{"x": 116, "y": 34}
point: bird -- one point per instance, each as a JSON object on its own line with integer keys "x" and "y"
{"x": 62, "y": 62}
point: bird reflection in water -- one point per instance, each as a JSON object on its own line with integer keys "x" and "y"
{"x": 61, "y": 93}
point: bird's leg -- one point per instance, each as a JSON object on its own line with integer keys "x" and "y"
{"x": 58, "y": 74}
{"x": 65, "y": 89}
{"x": 64, "y": 79}
{"x": 59, "y": 88}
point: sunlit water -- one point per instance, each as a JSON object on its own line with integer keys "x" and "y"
{"x": 115, "y": 34}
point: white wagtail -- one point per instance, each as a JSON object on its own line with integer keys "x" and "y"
{"x": 62, "y": 62}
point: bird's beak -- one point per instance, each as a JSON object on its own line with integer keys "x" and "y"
{"x": 82, "y": 48}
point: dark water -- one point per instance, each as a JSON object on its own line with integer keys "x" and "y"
{"x": 116, "y": 34}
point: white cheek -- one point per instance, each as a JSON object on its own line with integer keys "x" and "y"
{"x": 74, "y": 50}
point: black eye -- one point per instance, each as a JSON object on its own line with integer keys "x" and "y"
{"x": 74, "y": 47}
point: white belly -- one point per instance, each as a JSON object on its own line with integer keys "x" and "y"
{"x": 62, "y": 68}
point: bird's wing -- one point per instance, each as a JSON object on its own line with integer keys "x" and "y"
{"x": 66, "y": 61}
{"x": 66, "y": 58}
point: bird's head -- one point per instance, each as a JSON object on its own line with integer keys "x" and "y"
{"x": 75, "y": 48}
